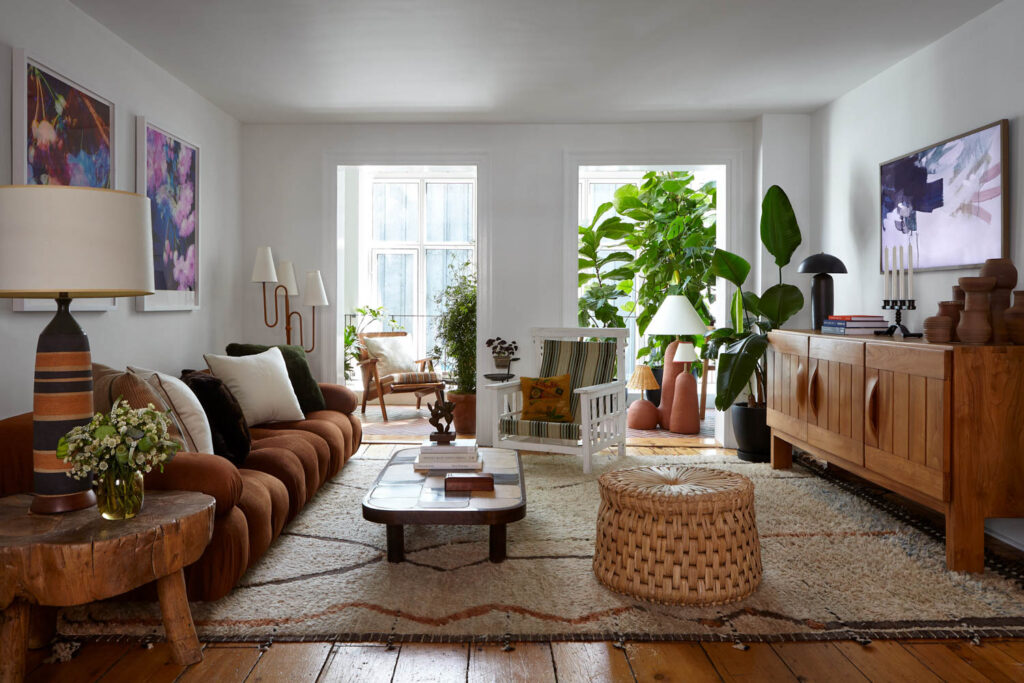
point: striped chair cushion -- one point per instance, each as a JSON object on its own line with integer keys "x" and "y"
{"x": 588, "y": 363}
{"x": 411, "y": 378}
{"x": 510, "y": 426}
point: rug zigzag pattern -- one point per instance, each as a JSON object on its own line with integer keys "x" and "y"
{"x": 327, "y": 575}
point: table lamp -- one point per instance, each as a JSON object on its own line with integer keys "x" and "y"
{"x": 679, "y": 411}
{"x": 822, "y": 292}
{"x": 67, "y": 243}
{"x": 642, "y": 414}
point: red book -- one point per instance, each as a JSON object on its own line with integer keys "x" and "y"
{"x": 856, "y": 317}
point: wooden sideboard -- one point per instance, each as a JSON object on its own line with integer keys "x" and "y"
{"x": 940, "y": 424}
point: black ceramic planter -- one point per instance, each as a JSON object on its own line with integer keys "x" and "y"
{"x": 654, "y": 395}
{"x": 753, "y": 438}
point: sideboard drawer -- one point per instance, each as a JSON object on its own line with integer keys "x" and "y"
{"x": 787, "y": 383}
{"x": 835, "y": 390}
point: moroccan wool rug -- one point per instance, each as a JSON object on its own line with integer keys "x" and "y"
{"x": 835, "y": 567}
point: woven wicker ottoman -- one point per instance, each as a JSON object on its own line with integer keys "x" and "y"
{"x": 678, "y": 535}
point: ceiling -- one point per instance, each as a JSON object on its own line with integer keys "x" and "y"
{"x": 526, "y": 60}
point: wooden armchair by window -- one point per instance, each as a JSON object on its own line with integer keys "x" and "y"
{"x": 387, "y": 370}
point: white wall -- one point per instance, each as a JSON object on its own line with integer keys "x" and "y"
{"x": 61, "y": 36}
{"x": 968, "y": 78}
{"x": 526, "y": 195}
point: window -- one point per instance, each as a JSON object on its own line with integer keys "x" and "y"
{"x": 420, "y": 222}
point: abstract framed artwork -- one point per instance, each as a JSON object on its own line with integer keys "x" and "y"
{"x": 167, "y": 171}
{"x": 62, "y": 134}
{"x": 950, "y": 200}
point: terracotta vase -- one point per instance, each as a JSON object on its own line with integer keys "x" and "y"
{"x": 938, "y": 329}
{"x": 952, "y": 309}
{"x": 464, "y": 415}
{"x": 974, "y": 327}
{"x": 958, "y": 294}
{"x": 1014, "y": 318}
{"x": 1003, "y": 270}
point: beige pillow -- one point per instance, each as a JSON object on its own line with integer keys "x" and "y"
{"x": 260, "y": 384}
{"x": 195, "y": 427}
{"x": 393, "y": 354}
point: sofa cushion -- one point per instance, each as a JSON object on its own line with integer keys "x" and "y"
{"x": 296, "y": 443}
{"x": 278, "y": 497}
{"x": 339, "y": 398}
{"x": 261, "y": 385}
{"x": 306, "y": 388}
{"x": 228, "y": 428}
{"x": 109, "y": 384}
{"x": 182, "y": 401}
{"x": 257, "y": 507}
{"x": 329, "y": 426}
{"x": 201, "y": 472}
{"x": 286, "y": 466}
{"x": 216, "y": 572}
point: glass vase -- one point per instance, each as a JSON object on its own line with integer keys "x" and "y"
{"x": 119, "y": 496}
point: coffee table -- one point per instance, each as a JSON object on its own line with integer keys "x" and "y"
{"x": 402, "y": 496}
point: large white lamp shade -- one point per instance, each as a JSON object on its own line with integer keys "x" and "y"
{"x": 676, "y": 316}
{"x": 315, "y": 294}
{"x": 85, "y": 242}
{"x": 286, "y": 273}
{"x": 263, "y": 269}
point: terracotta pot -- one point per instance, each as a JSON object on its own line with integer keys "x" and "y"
{"x": 464, "y": 414}
{"x": 952, "y": 309}
{"x": 938, "y": 329}
{"x": 975, "y": 327}
{"x": 1003, "y": 270}
{"x": 958, "y": 294}
{"x": 1014, "y": 317}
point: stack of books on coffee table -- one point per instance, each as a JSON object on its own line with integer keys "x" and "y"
{"x": 448, "y": 458}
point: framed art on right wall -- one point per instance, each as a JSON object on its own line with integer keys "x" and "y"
{"x": 949, "y": 200}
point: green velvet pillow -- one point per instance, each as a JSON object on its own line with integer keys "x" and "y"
{"x": 306, "y": 388}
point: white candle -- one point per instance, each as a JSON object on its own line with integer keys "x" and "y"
{"x": 887, "y": 275}
{"x": 902, "y": 289}
{"x": 910, "y": 265}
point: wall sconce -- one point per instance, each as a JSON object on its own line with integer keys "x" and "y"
{"x": 283, "y": 277}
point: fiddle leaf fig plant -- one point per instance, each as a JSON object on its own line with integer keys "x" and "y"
{"x": 741, "y": 348}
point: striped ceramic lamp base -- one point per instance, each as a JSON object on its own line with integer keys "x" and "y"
{"x": 63, "y": 400}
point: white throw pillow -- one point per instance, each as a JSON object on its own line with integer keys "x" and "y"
{"x": 393, "y": 354}
{"x": 195, "y": 428}
{"x": 260, "y": 384}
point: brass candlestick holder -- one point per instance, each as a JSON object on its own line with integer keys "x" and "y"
{"x": 898, "y": 305}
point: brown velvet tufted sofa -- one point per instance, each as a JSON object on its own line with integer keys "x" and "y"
{"x": 287, "y": 465}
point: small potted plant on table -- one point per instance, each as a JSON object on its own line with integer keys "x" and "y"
{"x": 503, "y": 353}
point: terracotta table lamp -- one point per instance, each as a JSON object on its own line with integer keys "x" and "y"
{"x": 685, "y": 417}
{"x": 67, "y": 243}
{"x": 642, "y": 414}
{"x": 676, "y": 316}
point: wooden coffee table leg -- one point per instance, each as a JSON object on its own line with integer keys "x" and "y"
{"x": 13, "y": 642}
{"x": 498, "y": 542}
{"x": 181, "y": 632}
{"x": 396, "y": 543}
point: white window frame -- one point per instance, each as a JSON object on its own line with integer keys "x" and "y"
{"x": 371, "y": 247}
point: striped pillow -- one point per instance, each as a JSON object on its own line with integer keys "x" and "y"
{"x": 587, "y": 363}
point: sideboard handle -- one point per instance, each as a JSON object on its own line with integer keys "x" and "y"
{"x": 812, "y": 392}
{"x": 872, "y": 405}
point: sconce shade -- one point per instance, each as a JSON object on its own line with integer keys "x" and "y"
{"x": 315, "y": 294}
{"x": 676, "y": 316}
{"x": 286, "y": 273}
{"x": 263, "y": 269}
{"x": 685, "y": 353}
{"x": 642, "y": 379}
{"x": 83, "y": 241}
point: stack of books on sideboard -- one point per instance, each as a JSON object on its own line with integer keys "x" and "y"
{"x": 449, "y": 458}
{"x": 850, "y": 325}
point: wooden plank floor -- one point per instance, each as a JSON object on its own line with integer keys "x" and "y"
{"x": 932, "y": 660}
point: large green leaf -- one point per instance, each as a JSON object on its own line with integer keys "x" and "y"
{"x": 615, "y": 257}
{"x": 601, "y": 210}
{"x": 779, "y": 230}
{"x": 736, "y": 310}
{"x": 752, "y": 303}
{"x": 779, "y": 303}
{"x": 736, "y": 365}
{"x": 728, "y": 265}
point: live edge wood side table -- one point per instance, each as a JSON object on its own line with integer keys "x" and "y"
{"x": 79, "y": 557}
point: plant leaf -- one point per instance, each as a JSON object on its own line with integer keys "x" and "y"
{"x": 736, "y": 364}
{"x": 779, "y": 303}
{"x": 779, "y": 230}
{"x": 728, "y": 265}
{"x": 736, "y": 310}
{"x": 752, "y": 303}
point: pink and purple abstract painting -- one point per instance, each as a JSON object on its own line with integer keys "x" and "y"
{"x": 171, "y": 172}
{"x": 68, "y": 133}
{"x": 947, "y": 200}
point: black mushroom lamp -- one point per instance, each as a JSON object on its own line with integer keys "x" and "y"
{"x": 821, "y": 265}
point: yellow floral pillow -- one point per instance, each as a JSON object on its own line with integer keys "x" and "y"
{"x": 546, "y": 399}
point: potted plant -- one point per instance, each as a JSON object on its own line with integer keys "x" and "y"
{"x": 741, "y": 348}
{"x": 456, "y": 336}
{"x": 114, "y": 450}
{"x": 502, "y": 352}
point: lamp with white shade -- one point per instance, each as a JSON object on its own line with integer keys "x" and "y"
{"x": 66, "y": 243}
{"x": 286, "y": 284}
{"x": 678, "y": 411}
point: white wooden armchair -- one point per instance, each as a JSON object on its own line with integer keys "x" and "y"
{"x": 598, "y": 394}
